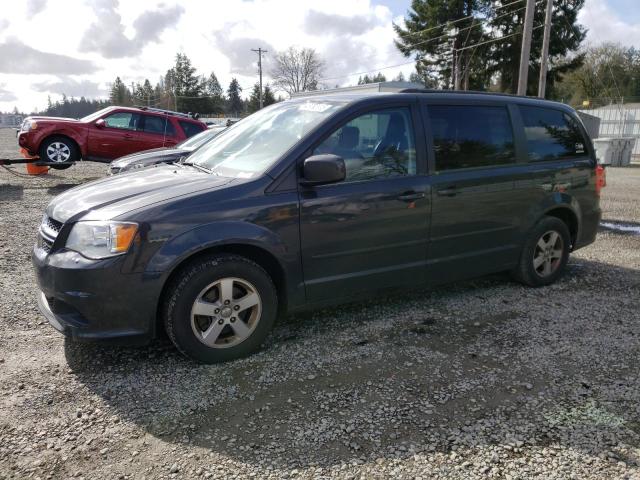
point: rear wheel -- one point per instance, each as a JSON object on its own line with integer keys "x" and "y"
{"x": 60, "y": 151}
{"x": 545, "y": 253}
{"x": 220, "y": 308}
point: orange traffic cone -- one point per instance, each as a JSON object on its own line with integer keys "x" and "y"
{"x": 33, "y": 169}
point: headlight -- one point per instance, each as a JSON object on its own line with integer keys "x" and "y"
{"x": 101, "y": 239}
{"x": 29, "y": 125}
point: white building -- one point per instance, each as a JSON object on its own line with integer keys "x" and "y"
{"x": 10, "y": 120}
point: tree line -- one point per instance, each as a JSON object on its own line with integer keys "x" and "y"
{"x": 180, "y": 89}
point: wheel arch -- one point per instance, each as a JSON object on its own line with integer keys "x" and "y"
{"x": 257, "y": 254}
{"x": 570, "y": 218}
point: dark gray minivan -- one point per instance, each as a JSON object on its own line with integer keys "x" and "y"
{"x": 317, "y": 201}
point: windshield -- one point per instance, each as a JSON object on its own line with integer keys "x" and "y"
{"x": 200, "y": 139}
{"x": 93, "y": 116}
{"x": 251, "y": 146}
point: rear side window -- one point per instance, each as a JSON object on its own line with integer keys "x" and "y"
{"x": 467, "y": 136}
{"x": 551, "y": 134}
{"x": 191, "y": 129}
{"x": 160, "y": 125}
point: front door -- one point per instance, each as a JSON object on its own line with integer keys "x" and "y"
{"x": 118, "y": 136}
{"x": 369, "y": 231}
{"x": 478, "y": 206}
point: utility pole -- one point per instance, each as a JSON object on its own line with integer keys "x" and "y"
{"x": 525, "y": 53}
{"x": 260, "y": 51}
{"x": 454, "y": 64}
{"x": 544, "y": 60}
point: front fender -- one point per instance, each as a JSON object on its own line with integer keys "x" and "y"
{"x": 204, "y": 237}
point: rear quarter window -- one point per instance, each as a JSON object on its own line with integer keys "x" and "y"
{"x": 190, "y": 129}
{"x": 551, "y": 134}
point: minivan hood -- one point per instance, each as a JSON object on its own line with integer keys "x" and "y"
{"x": 111, "y": 197}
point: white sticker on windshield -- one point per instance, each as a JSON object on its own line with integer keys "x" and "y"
{"x": 244, "y": 174}
{"x": 314, "y": 107}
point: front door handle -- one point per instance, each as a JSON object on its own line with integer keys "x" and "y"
{"x": 411, "y": 196}
{"x": 448, "y": 192}
{"x": 128, "y": 136}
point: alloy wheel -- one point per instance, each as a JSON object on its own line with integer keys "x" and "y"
{"x": 547, "y": 255}
{"x": 58, "y": 152}
{"x": 226, "y": 312}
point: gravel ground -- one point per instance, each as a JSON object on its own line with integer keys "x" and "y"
{"x": 479, "y": 379}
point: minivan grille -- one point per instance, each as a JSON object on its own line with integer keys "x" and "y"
{"x": 49, "y": 229}
{"x": 52, "y": 224}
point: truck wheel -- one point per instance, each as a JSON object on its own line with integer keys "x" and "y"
{"x": 59, "y": 150}
{"x": 545, "y": 253}
{"x": 220, "y": 308}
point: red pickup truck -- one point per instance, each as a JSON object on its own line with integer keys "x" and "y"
{"x": 104, "y": 135}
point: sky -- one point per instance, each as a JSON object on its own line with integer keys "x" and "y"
{"x": 78, "y": 47}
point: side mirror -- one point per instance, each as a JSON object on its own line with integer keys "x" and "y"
{"x": 323, "y": 169}
{"x": 100, "y": 123}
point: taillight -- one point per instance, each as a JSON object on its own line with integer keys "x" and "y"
{"x": 601, "y": 179}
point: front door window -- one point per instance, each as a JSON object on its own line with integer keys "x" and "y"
{"x": 375, "y": 145}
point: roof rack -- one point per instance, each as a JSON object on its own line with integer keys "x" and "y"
{"x": 393, "y": 87}
{"x": 464, "y": 92}
{"x": 168, "y": 112}
{"x": 379, "y": 87}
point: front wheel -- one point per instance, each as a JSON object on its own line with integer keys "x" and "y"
{"x": 60, "y": 151}
{"x": 220, "y": 308}
{"x": 545, "y": 253}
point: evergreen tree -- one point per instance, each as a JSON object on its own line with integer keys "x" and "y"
{"x": 214, "y": 93}
{"x": 253, "y": 104}
{"x": 267, "y": 97}
{"x": 145, "y": 93}
{"x": 254, "y": 99}
{"x": 119, "y": 94}
{"x": 377, "y": 78}
{"x": 435, "y": 28}
{"x": 235, "y": 105}
{"x": 182, "y": 82}
{"x": 503, "y": 58}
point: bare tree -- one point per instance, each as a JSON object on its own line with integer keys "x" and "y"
{"x": 297, "y": 70}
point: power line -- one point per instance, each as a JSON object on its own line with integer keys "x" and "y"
{"x": 469, "y": 27}
{"x": 368, "y": 71}
{"x": 440, "y": 25}
{"x": 442, "y": 56}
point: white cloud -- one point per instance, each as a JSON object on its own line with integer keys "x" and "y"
{"x": 97, "y": 40}
{"x": 35, "y": 6}
{"x": 605, "y": 25}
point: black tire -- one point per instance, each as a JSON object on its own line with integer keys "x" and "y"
{"x": 69, "y": 145}
{"x": 526, "y": 272}
{"x": 189, "y": 284}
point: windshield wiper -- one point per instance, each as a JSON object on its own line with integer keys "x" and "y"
{"x": 199, "y": 167}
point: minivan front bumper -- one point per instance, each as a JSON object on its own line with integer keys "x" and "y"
{"x": 93, "y": 300}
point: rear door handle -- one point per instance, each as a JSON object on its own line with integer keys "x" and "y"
{"x": 410, "y": 196}
{"x": 448, "y": 192}
{"x": 128, "y": 136}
